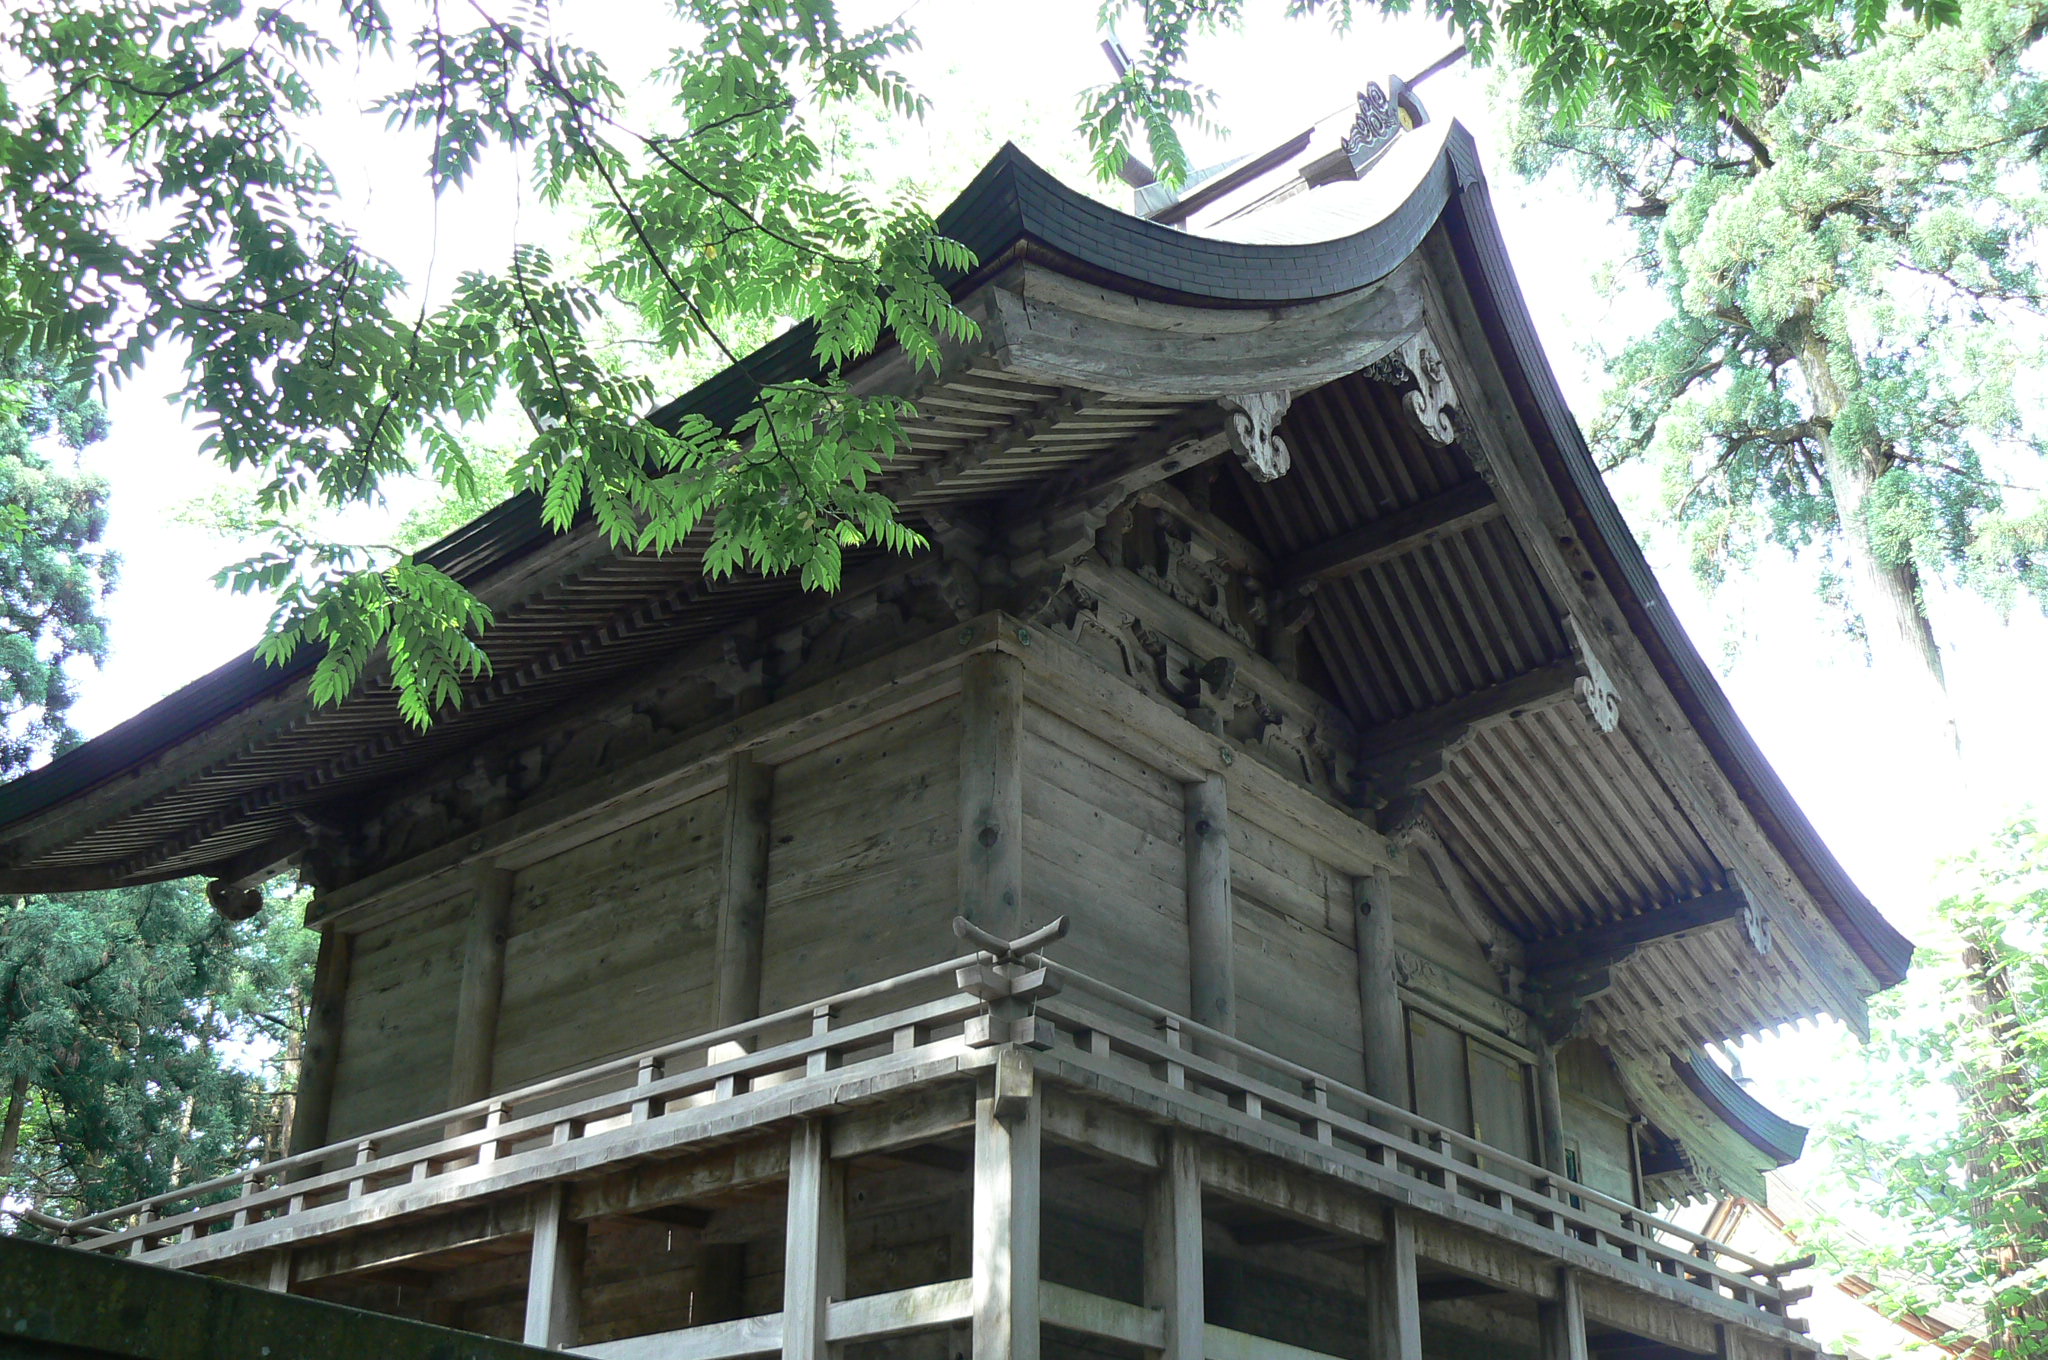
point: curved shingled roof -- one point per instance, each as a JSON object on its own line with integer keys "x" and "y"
{"x": 1015, "y": 211}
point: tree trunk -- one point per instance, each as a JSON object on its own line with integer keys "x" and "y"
{"x": 1888, "y": 595}
{"x": 1996, "y": 1093}
{"x": 10, "y": 1132}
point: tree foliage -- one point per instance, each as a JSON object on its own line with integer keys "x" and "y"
{"x": 1962, "y": 1179}
{"x": 1642, "y": 62}
{"x": 53, "y": 574}
{"x": 144, "y": 1041}
{"x": 164, "y": 188}
{"x": 1852, "y": 298}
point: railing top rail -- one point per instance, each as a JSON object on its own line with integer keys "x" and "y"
{"x": 547, "y": 1086}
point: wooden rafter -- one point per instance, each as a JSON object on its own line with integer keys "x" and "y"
{"x": 1605, "y": 944}
{"x": 1394, "y": 534}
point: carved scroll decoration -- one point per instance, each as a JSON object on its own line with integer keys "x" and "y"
{"x": 1595, "y": 689}
{"x": 1255, "y": 432}
{"x": 1433, "y": 403}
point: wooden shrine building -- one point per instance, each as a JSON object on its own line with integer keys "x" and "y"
{"x": 1276, "y": 634}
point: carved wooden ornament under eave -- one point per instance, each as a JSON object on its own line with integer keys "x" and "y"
{"x": 1255, "y": 432}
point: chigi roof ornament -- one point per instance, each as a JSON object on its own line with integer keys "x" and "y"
{"x": 1383, "y": 115}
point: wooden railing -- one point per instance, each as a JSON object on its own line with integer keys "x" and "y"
{"x": 550, "y": 1116}
{"x": 1089, "y": 1029}
{"x": 1190, "y": 1062}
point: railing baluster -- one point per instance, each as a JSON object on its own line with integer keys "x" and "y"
{"x": 143, "y": 1220}
{"x": 252, "y": 1181}
{"x": 649, "y": 1072}
{"x": 487, "y": 1151}
{"x": 366, "y": 1151}
{"x": 824, "y": 1060}
{"x": 1174, "y": 1074}
{"x": 1319, "y": 1096}
{"x": 1630, "y": 1249}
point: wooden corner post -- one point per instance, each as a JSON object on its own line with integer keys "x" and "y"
{"x": 320, "y": 1053}
{"x": 483, "y": 987}
{"x": 1379, "y": 991}
{"x": 991, "y": 861}
{"x": 1212, "y": 948}
{"x": 554, "y": 1283}
{"x": 814, "y": 1248}
{"x": 743, "y": 890}
{"x": 1173, "y": 1247}
{"x": 1006, "y": 1210}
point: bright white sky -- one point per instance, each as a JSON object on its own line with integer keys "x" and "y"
{"x": 1017, "y": 70}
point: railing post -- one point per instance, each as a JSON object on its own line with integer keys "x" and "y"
{"x": 1319, "y": 1096}
{"x": 252, "y": 1181}
{"x": 142, "y": 1220}
{"x": 1175, "y": 1074}
{"x": 820, "y": 1062}
{"x": 366, "y": 1152}
{"x": 1006, "y": 1211}
{"x": 814, "y": 1254}
{"x": 1561, "y": 1323}
{"x": 1173, "y": 1246}
{"x": 487, "y": 1151}
{"x": 1396, "y": 1315}
{"x": 554, "y": 1282}
{"x": 649, "y": 1072}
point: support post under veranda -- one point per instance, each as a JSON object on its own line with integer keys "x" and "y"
{"x": 1006, "y": 1210}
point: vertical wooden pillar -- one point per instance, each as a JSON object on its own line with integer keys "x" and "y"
{"x": 1549, "y": 1108}
{"x": 555, "y": 1280}
{"x": 1379, "y": 992}
{"x": 1006, "y": 1212}
{"x": 1562, "y": 1324}
{"x": 1396, "y": 1315}
{"x": 814, "y": 1251}
{"x": 992, "y": 792}
{"x": 483, "y": 984}
{"x": 1212, "y": 971}
{"x": 1173, "y": 1247}
{"x": 320, "y": 1054}
{"x": 743, "y": 895}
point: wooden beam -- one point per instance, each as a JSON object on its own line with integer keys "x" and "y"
{"x": 1006, "y": 1211}
{"x": 554, "y": 1285}
{"x": 1212, "y": 944}
{"x": 1396, "y": 1318}
{"x": 1379, "y": 991}
{"x": 743, "y": 891}
{"x": 1481, "y": 708}
{"x": 1392, "y": 534}
{"x": 1599, "y": 945}
{"x": 991, "y": 854}
{"x": 483, "y": 983}
{"x": 1173, "y": 1246}
{"x": 1562, "y": 1321}
{"x": 320, "y": 1054}
{"x": 814, "y": 1250}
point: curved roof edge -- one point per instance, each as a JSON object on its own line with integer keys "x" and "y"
{"x": 1760, "y": 1126}
{"x": 1013, "y": 209}
{"x": 1012, "y": 206}
{"x": 1482, "y": 251}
